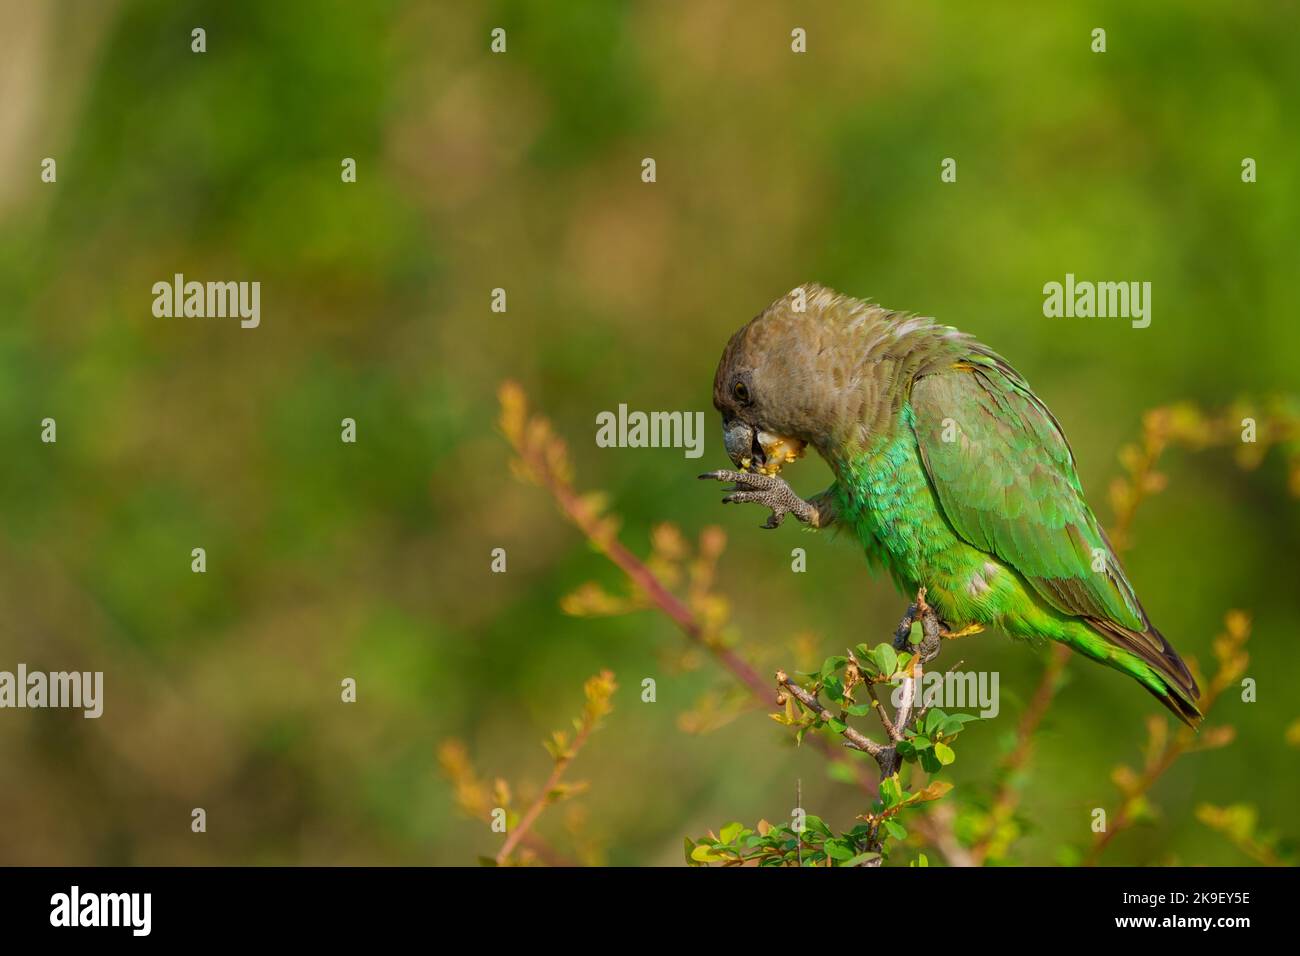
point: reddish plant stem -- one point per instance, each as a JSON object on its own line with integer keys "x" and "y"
{"x": 853, "y": 737}
{"x": 657, "y": 592}
{"x": 1123, "y": 819}
{"x": 543, "y": 799}
{"x": 681, "y": 615}
{"x": 1007, "y": 797}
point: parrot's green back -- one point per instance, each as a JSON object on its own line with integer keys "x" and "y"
{"x": 955, "y": 476}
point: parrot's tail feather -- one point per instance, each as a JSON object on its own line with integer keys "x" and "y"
{"x": 1182, "y": 708}
{"x": 1180, "y": 692}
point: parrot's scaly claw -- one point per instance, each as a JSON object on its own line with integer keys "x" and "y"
{"x": 966, "y": 631}
{"x": 768, "y": 490}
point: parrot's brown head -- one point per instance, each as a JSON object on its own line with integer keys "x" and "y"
{"x": 780, "y": 384}
{"x": 823, "y": 369}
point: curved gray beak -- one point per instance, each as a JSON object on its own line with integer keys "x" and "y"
{"x": 759, "y": 450}
{"x": 739, "y": 441}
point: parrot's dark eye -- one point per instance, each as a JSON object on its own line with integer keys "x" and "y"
{"x": 741, "y": 391}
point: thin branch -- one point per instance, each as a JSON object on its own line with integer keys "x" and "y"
{"x": 598, "y": 690}
{"x": 928, "y": 650}
{"x": 544, "y": 798}
{"x": 1185, "y": 426}
{"x": 1163, "y": 750}
{"x": 894, "y": 733}
{"x": 887, "y": 757}
{"x": 544, "y": 460}
{"x": 1124, "y": 817}
{"x": 472, "y": 795}
{"x": 1007, "y": 797}
{"x": 852, "y": 737}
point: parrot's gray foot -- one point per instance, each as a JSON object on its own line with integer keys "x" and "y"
{"x": 768, "y": 490}
{"x": 932, "y": 628}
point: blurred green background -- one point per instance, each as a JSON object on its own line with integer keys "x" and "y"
{"x": 522, "y": 171}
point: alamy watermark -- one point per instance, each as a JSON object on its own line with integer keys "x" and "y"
{"x": 626, "y": 429}
{"x": 957, "y": 690}
{"x": 1085, "y": 300}
{"x": 130, "y": 910}
{"x": 210, "y": 300}
{"x": 71, "y": 689}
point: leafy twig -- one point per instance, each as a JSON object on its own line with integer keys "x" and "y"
{"x": 902, "y": 663}
{"x": 1007, "y": 797}
{"x": 853, "y": 738}
{"x": 1238, "y": 823}
{"x": 477, "y": 800}
{"x": 1242, "y": 426}
{"x": 543, "y": 459}
{"x": 1163, "y": 749}
{"x": 598, "y": 690}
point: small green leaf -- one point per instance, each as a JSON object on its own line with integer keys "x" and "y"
{"x": 834, "y": 688}
{"x": 885, "y": 658}
{"x": 838, "y": 850}
{"x": 891, "y": 791}
{"x": 730, "y": 832}
{"x": 944, "y": 754}
{"x": 832, "y": 664}
{"x": 917, "y": 634}
{"x": 860, "y": 859}
{"x": 954, "y": 723}
{"x": 704, "y": 854}
{"x": 816, "y": 825}
{"x": 896, "y": 829}
{"x": 933, "y": 719}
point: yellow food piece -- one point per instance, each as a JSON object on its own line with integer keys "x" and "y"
{"x": 779, "y": 451}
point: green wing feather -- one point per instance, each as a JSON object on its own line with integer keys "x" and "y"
{"x": 1007, "y": 484}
